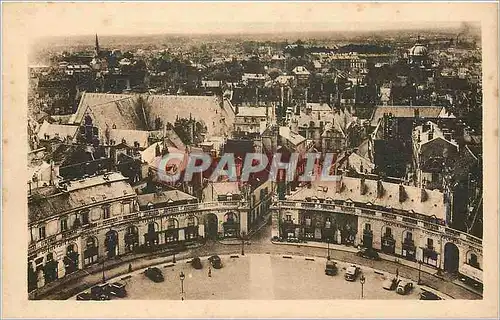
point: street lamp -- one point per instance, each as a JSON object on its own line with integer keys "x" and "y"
{"x": 419, "y": 271}
{"x": 182, "y": 277}
{"x": 362, "y": 280}
{"x": 328, "y": 249}
{"x": 173, "y": 259}
{"x": 243, "y": 243}
{"x": 103, "y": 277}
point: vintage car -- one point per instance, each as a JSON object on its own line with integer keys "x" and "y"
{"x": 331, "y": 268}
{"x": 404, "y": 287}
{"x": 84, "y": 296}
{"x": 368, "y": 254}
{"x": 117, "y": 289}
{"x": 154, "y": 274}
{"x": 196, "y": 263}
{"x": 352, "y": 272}
{"x": 99, "y": 292}
{"x": 427, "y": 295}
{"x": 390, "y": 284}
{"x": 215, "y": 261}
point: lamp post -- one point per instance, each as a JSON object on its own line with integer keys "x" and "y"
{"x": 182, "y": 277}
{"x": 103, "y": 276}
{"x": 328, "y": 249}
{"x": 362, "y": 280}
{"x": 173, "y": 259}
{"x": 243, "y": 243}
{"x": 419, "y": 271}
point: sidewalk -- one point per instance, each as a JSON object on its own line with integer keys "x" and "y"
{"x": 115, "y": 267}
{"x": 404, "y": 262}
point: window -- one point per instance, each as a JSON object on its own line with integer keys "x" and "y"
{"x": 328, "y": 222}
{"x": 388, "y": 232}
{"x": 308, "y": 221}
{"x": 85, "y": 217}
{"x": 368, "y": 227}
{"x": 106, "y": 212}
{"x": 41, "y": 232}
{"x": 430, "y": 243}
{"x": 288, "y": 217}
{"x": 171, "y": 224}
{"x": 64, "y": 224}
{"x": 473, "y": 261}
{"x": 409, "y": 237}
{"x": 191, "y": 221}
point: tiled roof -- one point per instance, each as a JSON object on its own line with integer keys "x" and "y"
{"x": 251, "y": 112}
{"x": 431, "y": 204}
{"x": 429, "y": 112}
{"x": 163, "y": 197}
{"x": 56, "y": 130}
{"x": 122, "y": 111}
{"x": 88, "y": 192}
{"x": 130, "y": 137}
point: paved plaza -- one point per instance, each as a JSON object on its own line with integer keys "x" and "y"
{"x": 260, "y": 276}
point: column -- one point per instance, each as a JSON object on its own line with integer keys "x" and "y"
{"x": 61, "y": 271}
{"x": 201, "y": 230}
{"x": 182, "y": 235}
{"x": 121, "y": 242}
{"x": 80, "y": 249}
{"x": 243, "y": 221}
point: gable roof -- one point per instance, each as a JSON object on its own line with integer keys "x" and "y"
{"x": 56, "y": 130}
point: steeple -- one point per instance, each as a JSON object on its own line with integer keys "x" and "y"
{"x": 97, "y": 50}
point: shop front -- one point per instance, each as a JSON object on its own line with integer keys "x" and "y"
{"x": 90, "y": 254}
{"x": 131, "y": 238}
{"x": 409, "y": 250}
{"x": 231, "y": 226}
{"x": 367, "y": 236}
{"x": 388, "y": 242}
{"x": 50, "y": 269}
{"x": 71, "y": 259}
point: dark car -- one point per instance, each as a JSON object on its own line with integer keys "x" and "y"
{"x": 427, "y": 295}
{"x": 84, "y": 296}
{"x": 99, "y": 292}
{"x": 215, "y": 261}
{"x": 117, "y": 289}
{"x": 368, "y": 253}
{"x": 196, "y": 263}
{"x": 154, "y": 274}
{"x": 331, "y": 268}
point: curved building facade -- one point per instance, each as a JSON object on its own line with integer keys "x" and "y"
{"x": 402, "y": 221}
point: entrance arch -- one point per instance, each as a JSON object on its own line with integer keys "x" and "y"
{"x": 71, "y": 258}
{"x": 90, "y": 255}
{"x": 211, "y": 226}
{"x": 151, "y": 237}
{"x": 451, "y": 257}
{"x": 131, "y": 238}
{"x": 231, "y": 225}
{"x": 111, "y": 243}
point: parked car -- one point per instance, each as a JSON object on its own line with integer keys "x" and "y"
{"x": 368, "y": 253}
{"x": 404, "y": 287}
{"x": 85, "y": 296}
{"x": 427, "y": 295}
{"x": 352, "y": 272}
{"x": 154, "y": 274}
{"x": 331, "y": 268}
{"x": 196, "y": 263}
{"x": 99, "y": 292}
{"x": 117, "y": 289}
{"x": 215, "y": 261}
{"x": 390, "y": 284}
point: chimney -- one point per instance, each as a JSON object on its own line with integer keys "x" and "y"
{"x": 362, "y": 186}
{"x": 380, "y": 189}
{"x": 402, "y": 193}
{"x": 423, "y": 195}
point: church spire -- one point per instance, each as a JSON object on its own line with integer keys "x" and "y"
{"x": 97, "y": 50}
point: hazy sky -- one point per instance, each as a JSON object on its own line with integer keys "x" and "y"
{"x": 226, "y": 17}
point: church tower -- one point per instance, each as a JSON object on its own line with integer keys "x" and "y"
{"x": 97, "y": 51}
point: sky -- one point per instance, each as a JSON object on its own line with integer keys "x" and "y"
{"x": 63, "y": 19}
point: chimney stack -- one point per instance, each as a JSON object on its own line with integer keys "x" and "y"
{"x": 380, "y": 189}
{"x": 402, "y": 193}
{"x": 362, "y": 186}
